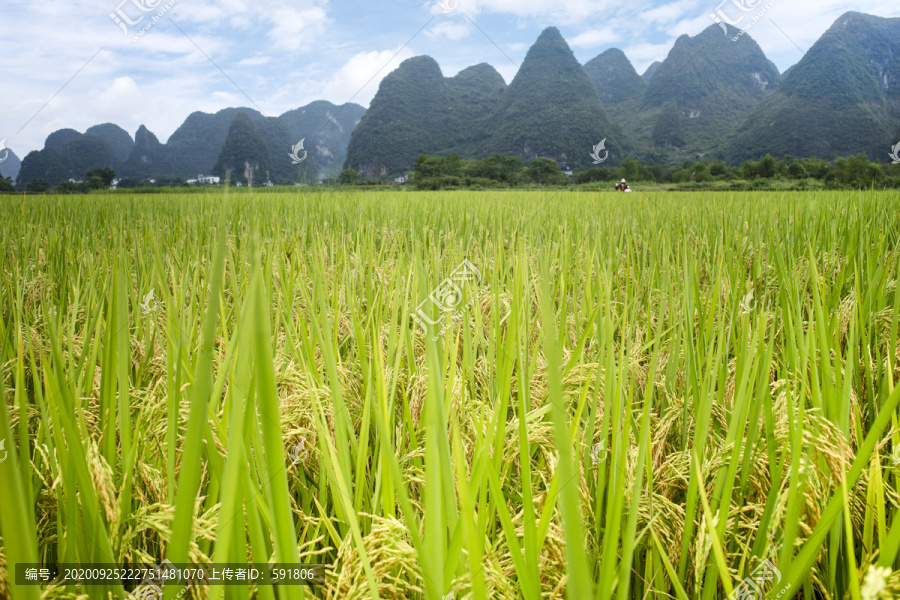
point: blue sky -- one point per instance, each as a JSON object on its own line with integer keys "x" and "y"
{"x": 276, "y": 55}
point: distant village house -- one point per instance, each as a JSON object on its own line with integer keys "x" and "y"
{"x": 204, "y": 180}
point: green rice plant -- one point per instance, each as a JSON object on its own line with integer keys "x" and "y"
{"x": 644, "y": 397}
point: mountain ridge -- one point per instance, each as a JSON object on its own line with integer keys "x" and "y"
{"x": 195, "y": 146}
{"x": 419, "y": 111}
{"x": 11, "y": 165}
{"x": 712, "y": 96}
{"x": 550, "y": 109}
{"x": 842, "y": 98}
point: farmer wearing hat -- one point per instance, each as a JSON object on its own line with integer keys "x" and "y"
{"x": 622, "y": 187}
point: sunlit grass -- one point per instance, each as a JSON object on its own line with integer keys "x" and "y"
{"x": 648, "y": 395}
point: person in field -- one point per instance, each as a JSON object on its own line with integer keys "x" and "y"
{"x": 622, "y": 187}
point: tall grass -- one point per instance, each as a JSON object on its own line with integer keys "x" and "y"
{"x": 645, "y": 398}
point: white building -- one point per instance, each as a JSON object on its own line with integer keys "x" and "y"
{"x": 401, "y": 179}
{"x": 208, "y": 179}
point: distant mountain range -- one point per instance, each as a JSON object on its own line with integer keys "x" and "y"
{"x": 419, "y": 111}
{"x": 551, "y": 109}
{"x": 10, "y": 165}
{"x": 195, "y": 148}
{"x": 714, "y": 96}
{"x": 842, "y": 98}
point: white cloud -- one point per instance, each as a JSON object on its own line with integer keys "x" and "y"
{"x": 254, "y": 61}
{"x": 293, "y": 30}
{"x": 595, "y": 37}
{"x": 358, "y": 79}
{"x": 450, "y": 31}
{"x": 507, "y": 71}
{"x": 560, "y": 11}
{"x": 669, "y": 13}
{"x": 691, "y": 25}
{"x": 123, "y": 89}
{"x": 643, "y": 55}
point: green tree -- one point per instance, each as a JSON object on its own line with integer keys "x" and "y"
{"x": 452, "y": 165}
{"x": 767, "y": 166}
{"x": 595, "y": 174}
{"x": 718, "y": 168}
{"x": 37, "y": 186}
{"x": 437, "y": 172}
{"x": 653, "y": 172}
{"x": 129, "y": 183}
{"x": 505, "y": 169}
{"x": 857, "y": 171}
{"x": 783, "y": 165}
{"x": 817, "y": 167}
{"x": 98, "y": 179}
{"x": 349, "y": 177}
{"x": 67, "y": 187}
{"x": 750, "y": 169}
{"x": 6, "y": 184}
{"x": 428, "y": 167}
{"x": 630, "y": 169}
{"x": 796, "y": 170}
{"x": 701, "y": 172}
{"x": 169, "y": 182}
{"x": 681, "y": 175}
{"x": 545, "y": 172}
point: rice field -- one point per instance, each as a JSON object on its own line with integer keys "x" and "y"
{"x": 455, "y": 395}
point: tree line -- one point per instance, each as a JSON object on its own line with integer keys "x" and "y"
{"x": 454, "y": 172}
{"x": 94, "y": 179}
